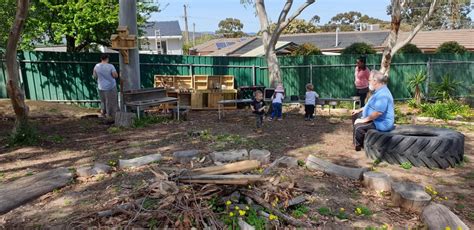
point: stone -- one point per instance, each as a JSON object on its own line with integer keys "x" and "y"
{"x": 85, "y": 171}
{"x": 438, "y": 216}
{"x": 139, "y": 161}
{"x": 261, "y": 155}
{"x": 244, "y": 225}
{"x": 185, "y": 156}
{"x": 231, "y": 155}
{"x": 286, "y": 162}
{"x": 102, "y": 168}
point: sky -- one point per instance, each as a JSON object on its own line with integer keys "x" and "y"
{"x": 206, "y": 14}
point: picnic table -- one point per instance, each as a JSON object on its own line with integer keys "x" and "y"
{"x": 320, "y": 101}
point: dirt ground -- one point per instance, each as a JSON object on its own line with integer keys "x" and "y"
{"x": 69, "y": 141}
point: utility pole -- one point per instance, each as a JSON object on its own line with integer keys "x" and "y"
{"x": 129, "y": 73}
{"x": 194, "y": 36}
{"x": 186, "y": 32}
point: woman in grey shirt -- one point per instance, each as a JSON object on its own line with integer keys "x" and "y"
{"x": 106, "y": 74}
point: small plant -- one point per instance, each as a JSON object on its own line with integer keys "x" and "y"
{"x": 361, "y": 210}
{"x": 56, "y": 138}
{"x": 148, "y": 120}
{"x": 415, "y": 83}
{"x": 300, "y": 211}
{"x": 301, "y": 163}
{"x": 341, "y": 214}
{"x": 446, "y": 89}
{"x": 324, "y": 211}
{"x": 445, "y": 110}
{"x": 150, "y": 203}
{"x": 112, "y": 163}
{"x": 29, "y": 174}
{"x": 24, "y": 135}
{"x": 153, "y": 223}
{"x": 114, "y": 129}
{"x": 406, "y": 165}
{"x": 255, "y": 220}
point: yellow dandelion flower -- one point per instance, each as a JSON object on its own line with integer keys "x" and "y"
{"x": 358, "y": 211}
{"x": 272, "y": 217}
{"x": 459, "y": 228}
{"x": 342, "y": 209}
{"x": 231, "y": 214}
{"x": 228, "y": 202}
{"x": 236, "y": 208}
{"x": 242, "y": 212}
{"x": 446, "y": 198}
{"x": 447, "y": 228}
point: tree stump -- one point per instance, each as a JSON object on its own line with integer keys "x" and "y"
{"x": 410, "y": 196}
{"x": 123, "y": 119}
{"x": 377, "y": 181}
{"x": 262, "y": 155}
{"x": 313, "y": 162}
{"x": 231, "y": 155}
{"x": 438, "y": 216}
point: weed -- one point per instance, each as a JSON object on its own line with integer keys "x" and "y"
{"x": 114, "y": 129}
{"x": 361, "y": 210}
{"x": 56, "y": 138}
{"x": 150, "y": 203}
{"x": 341, "y": 214}
{"x": 29, "y": 174}
{"x": 301, "y": 163}
{"x": 24, "y": 135}
{"x": 325, "y": 211}
{"x": 300, "y": 211}
{"x": 112, "y": 163}
{"x": 460, "y": 206}
{"x": 67, "y": 202}
{"x": 471, "y": 216}
{"x": 255, "y": 220}
{"x": 461, "y": 197}
{"x": 100, "y": 177}
{"x": 149, "y": 120}
{"x": 445, "y": 110}
{"x": 406, "y": 165}
{"x": 153, "y": 223}
{"x": 2, "y": 174}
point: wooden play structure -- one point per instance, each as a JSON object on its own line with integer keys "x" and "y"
{"x": 199, "y": 91}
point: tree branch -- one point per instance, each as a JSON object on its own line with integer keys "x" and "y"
{"x": 279, "y": 29}
{"x": 399, "y": 45}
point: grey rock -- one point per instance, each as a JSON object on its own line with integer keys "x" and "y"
{"x": 102, "y": 168}
{"x": 185, "y": 156}
{"x": 261, "y": 155}
{"x": 244, "y": 225}
{"x": 85, "y": 171}
{"x": 231, "y": 155}
{"x": 286, "y": 162}
{"x": 139, "y": 161}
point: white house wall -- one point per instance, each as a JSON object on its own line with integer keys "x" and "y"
{"x": 173, "y": 45}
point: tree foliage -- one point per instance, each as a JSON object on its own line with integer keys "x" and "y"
{"x": 451, "y": 47}
{"x": 306, "y": 49}
{"x": 78, "y": 23}
{"x": 231, "y": 27}
{"x": 452, "y": 14}
{"x": 359, "y": 48}
{"x": 409, "y": 49}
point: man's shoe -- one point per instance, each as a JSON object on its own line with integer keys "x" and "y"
{"x": 358, "y": 148}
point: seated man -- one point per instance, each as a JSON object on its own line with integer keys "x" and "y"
{"x": 378, "y": 113}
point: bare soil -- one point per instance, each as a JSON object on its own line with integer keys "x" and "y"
{"x": 67, "y": 140}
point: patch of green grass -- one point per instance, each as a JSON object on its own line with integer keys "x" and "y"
{"x": 471, "y": 216}
{"x": 446, "y": 110}
{"x": 301, "y": 163}
{"x": 114, "y": 129}
{"x": 255, "y": 220}
{"x": 406, "y": 165}
{"x": 361, "y": 210}
{"x": 300, "y": 211}
{"x": 67, "y": 202}
{"x": 460, "y": 206}
{"x": 29, "y": 174}
{"x": 149, "y": 120}
{"x": 112, "y": 163}
{"x": 461, "y": 196}
{"x": 150, "y": 203}
{"x": 341, "y": 214}
{"x": 56, "y": 138}
{"x": 325, "y": 211}
{"x": 24, "y": 136}
{"x": 153, "y": 223}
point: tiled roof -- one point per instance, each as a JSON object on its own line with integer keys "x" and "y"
{"x": 432, "y": 39}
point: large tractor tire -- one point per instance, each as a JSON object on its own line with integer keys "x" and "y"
{"x": 420, "y": 145}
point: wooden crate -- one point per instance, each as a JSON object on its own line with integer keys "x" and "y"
{"x": 166, "y": 81}
{"x": 214, "y": 82}
{"x": 197, "y": 100}
{"x": 183, "y": 82}
{"x": 227, "y": 81}
{"x": 213, "y": 99}
{"x": 200, "y": 82}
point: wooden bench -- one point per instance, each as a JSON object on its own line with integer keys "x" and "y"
{"x": 142, "y": 99}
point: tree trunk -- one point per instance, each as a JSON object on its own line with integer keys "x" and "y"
{"x": 70, "y": 44}
{"x": 15, "y": 92}
{"x": 273, "y": 68}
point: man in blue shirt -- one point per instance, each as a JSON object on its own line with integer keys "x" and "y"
{"x": 106, "y": 74}
{"x": 378, "y": 113}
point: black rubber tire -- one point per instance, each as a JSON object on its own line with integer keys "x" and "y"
{"x": 420, "y": 145}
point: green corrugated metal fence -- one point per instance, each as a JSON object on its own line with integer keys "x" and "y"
{"x": 67, "y": 76}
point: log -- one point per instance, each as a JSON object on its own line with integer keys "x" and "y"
{"x": 409, "y": 196}
{"x": 377, "y": 181}
{"x": 241, "y": 166}
{"x": 438, "y": 216}
{"x": 231, "y": 155}
{"x": 223, "y": 177}
{"x": 230, "y": 181}
{"x": 297, "y": 200}
{"x": 275, "y": 211}
{"x": 18, "y": 192}
{"x": 315, "y": 163}
{"x": 139, "y": 161}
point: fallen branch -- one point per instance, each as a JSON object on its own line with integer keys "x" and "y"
{"x": 120, "y": 208}
{"x": 241, "y": 166}
{"x": 232, "y": 181}
{"x": 297, "y": 200}
{"x": 222, "y": 177}
{"x": 275, "y": 211}
{"x": 313, "y": 162}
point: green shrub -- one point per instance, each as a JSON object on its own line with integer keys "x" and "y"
{"x": 306, "y": 49}
{"x": 451, "y": 47}
{"x": 416, "y": 85}
{"x": 409, "y": 49}
{"x": 446, "y": 89}
{"x": 148, "y": 120}
{"x": 24, "y": 135}
{"x": 359, "y": 48}
{"x": 445, "y": 110}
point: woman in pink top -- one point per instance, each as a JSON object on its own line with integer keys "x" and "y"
{"x": 361, "y": 81}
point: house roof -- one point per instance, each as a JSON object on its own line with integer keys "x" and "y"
{"x": 280, "y": 47}
{"x": 430, "y": 40}
{"x": 324, "y": 41}
{"x": 166, "y": 28}
{"x": 222, "y": 46}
